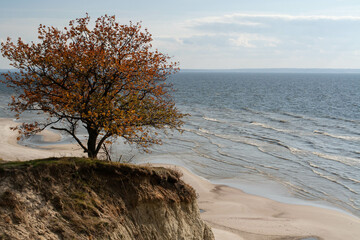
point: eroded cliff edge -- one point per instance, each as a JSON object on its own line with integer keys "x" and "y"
{"x": 74, "y": 198}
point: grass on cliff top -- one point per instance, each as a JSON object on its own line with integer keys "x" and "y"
{"x": 79, "y": 162}
{"x": 51, "y": 161}
{"x": 62, "y": 161}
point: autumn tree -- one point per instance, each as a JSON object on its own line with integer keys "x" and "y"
{"x": 105, "y": 79}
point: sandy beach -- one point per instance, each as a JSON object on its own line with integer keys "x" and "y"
{"x": 231, "y": 213}
{"x": 234, "y": 214}
{"x": 10, "y": 150}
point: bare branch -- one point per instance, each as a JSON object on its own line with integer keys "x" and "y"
{"x": 73, "y": 135}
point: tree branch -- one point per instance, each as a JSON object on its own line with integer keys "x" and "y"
{"x": 73, "y": 135}
{"x": 102, "y": 140}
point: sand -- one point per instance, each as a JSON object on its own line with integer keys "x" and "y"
{"x": 10, "y": 150}
{"x": 253, "y": 217}
{"x": 233, "y": 214}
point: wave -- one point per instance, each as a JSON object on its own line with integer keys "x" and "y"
{"x": 263, "y": 146}
{"x": 233, "y": 138}
{"x": 341, "y": 159}
{"x": 334, "y": 180}
{"x": 297, "y": 188}
{"x": 314, "y": 165}
{"x": 204, "y": 131}
{"x": 356, "y": 152}
{"x": 343, "y": 119}
{"x": 260, "y": 124}
{"x": 354, "y": 204}
{"x": 201, "y": 132}
{"x": 296, "y": 151}
{"x": 243, "y": 160}
{"x": 212, "y": 119}
{"x": 277, "y": 142}
{"x": 224, "y": 162}
{"x": 354, "y": 180}
{"x": 293, "y": 115}
{"x": 182, "y": 142}
{"x": 263, "y": 125}
{"x": 339, "y": 175}
{"x": 250, "y": 110}
{"x": 262, "y": 143}
{"x": 278, "y": 120}
{"x": 350, "y": 138}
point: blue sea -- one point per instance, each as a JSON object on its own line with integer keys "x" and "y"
{"x": 293, "y": 137}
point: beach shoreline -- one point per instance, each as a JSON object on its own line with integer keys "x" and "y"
{"x": 11, "y": 150}
{"x": 254, "y": 217}
{"x": 231, "y": 213}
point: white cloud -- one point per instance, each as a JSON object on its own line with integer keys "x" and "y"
{"x": 271, "y": 40}
{"x": 242, "y": 41}
{"x": 234, "y": 18}
{"x": 253, "y": 40}
{"x": 221, "y": 19}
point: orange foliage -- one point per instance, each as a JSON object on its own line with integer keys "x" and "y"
{"x": 106, "y": 79}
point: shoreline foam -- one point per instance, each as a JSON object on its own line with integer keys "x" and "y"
{"x": 232, "y": 213}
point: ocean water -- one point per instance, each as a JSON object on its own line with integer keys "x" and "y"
{"x": 287, "y": 136}
{"x": 293, "y": 137}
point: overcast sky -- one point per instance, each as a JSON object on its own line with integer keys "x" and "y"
{"x": 209, "y": 34}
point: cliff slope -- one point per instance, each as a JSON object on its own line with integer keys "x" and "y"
{"x": 75, "y": 198}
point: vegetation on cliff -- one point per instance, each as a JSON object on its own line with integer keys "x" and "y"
{"x": 78, "y": 198}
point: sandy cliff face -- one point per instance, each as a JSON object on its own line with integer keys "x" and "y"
{"x": 82, "y": 199}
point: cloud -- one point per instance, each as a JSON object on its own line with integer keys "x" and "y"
{"x": 206, "y": 40}
{"x": 222, "y": 24}
{"x": 272, "y": 30}
{"x": 271, "y": 40}
{"x": 223, "y": 19}
{"x": 239, "y": 18}
{"x": 275, "y": 23}
{"x": 253, "y": 41}
{"x": 242, "y": 41}
{"x": 168, "y": 40}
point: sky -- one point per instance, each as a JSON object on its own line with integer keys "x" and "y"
{"x": 213, "y": 34}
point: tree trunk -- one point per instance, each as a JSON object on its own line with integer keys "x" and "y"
{"x": 91, "y": 144}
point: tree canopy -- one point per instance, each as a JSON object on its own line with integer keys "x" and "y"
{"x": 106, "y": 79}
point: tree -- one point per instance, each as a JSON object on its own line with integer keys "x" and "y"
{"x": 104, "y": 79}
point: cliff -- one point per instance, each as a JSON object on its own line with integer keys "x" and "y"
{"x": 75, "y": 198}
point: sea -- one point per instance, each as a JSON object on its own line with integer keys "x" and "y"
{"x": 290, "y": 136}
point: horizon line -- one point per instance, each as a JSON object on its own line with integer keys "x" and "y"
{"x": 286, "y": 70}
{"x": 270, "y": 69}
